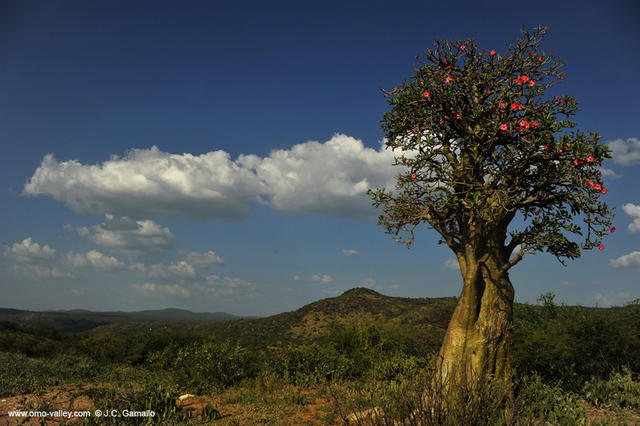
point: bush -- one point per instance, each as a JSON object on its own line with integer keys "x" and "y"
{"x": 620, "y": 391}
{"x": 212, "y": 365}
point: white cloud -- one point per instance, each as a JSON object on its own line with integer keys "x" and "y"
{"x": 452, "y": 263}
{"x": 296, "y": 278}
{"x": 93, "y": 260}
{"x": 312, "y": 177}
{"x": 624, "y": 152}
{"x": 127, "y": 234}
{"x": 327, "y": 178}
{"x": 608, "y": 173}
{"x": 29, "y": 251}
{"x": 369, "y": 283}
{"x": 138, "y": 267}
{"x": 611, "y": 299}
{"x": 172, "y": 289}
{"x": 630, "y": 260}
{"x": 323, "y": 279}
{"x": 225, "y": 286}
{"x": 204, "y": 259}
{"x": 174, "y": 270}
{"x": 349, "y": 252}
{"x": 633, "y": 211}
{"x": 34, "y": 260}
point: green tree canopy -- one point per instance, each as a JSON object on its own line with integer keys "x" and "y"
{"x": 479, "y": 142}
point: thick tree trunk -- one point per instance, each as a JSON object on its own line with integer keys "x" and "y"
{"x": 477, "y": 344}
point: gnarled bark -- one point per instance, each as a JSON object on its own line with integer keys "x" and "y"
{"x": 477, "y": 344}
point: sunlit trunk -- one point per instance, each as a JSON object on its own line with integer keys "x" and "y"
{"x": 477, "y": 344}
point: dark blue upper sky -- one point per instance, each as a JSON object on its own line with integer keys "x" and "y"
{"x": 87, "y": 81}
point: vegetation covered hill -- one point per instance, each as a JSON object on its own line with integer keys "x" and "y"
{"x": 79, "y": 320}
{"x": 362, "y": 347}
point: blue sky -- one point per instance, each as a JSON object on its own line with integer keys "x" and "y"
{"x": 214, "y": 156}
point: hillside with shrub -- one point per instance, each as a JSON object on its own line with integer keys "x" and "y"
{"x": 318, "y": 364}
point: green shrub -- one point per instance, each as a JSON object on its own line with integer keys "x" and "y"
{"x": 619, "y": 391}
{"x": 213, "y": 365}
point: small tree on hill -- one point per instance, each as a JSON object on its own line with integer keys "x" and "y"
{"x": 479, "y": 145}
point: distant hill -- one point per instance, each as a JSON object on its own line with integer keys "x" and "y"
{"x": 428, "y": 317}
{"x": 79, "y": 320}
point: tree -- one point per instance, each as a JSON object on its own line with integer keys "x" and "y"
{"x": 479, "y": 147}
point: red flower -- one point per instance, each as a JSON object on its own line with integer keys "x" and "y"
{"x": 601, "y": 247}
{"x": 395, "y": 88}
{"x": 502, "y": 104}
{"x": 604, "y": 190}
{"x": 535, "y": 124}
{"x": 447, "y": 80}
{"x": 463, "y": 46}
{"x": 493, "y": 52}
{"x": 539, "y": 58}
{"x": 515, "y": 106}
{"x": 532, "y": 83}
{"x": 458, "y": 116}
{"x": 589, "y": 159}
{"x": 504, "y": 126}
{"x": 575, "y": 162}
{"x": 612, "y": 229}
{"x": 560, "y": 150}
{"x": 597, "y": 186}
{"x": 524, "y": 124}
{"x": 591, "y": 182}
{"x": 425, "y": 94}
{"x": 524, "y": 78}
{"x": 413, "y": 176}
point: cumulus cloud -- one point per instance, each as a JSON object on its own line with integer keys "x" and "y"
{"x": 452, "y": 263}
{"x": 610, "y": 174}
{"x": 624, "y": 152}
{"x": 349, "y": 252}
{"x": 29, "y": 251}
{"x": 127, "y": 234}
{"x": 321, "y": 278}
{"x": 312, "y": 177}
{"x": 633, "y": 211}
{"x": 204, "y": 259}
{"x": 611, "y": 299}
{"x": 369, "y": 283}
{"x": 173, "y": 270}
{"x": 32, "y": 259}
{"x": 630, "y": 260}
{"x": 186, "y": 269}
{"x": 225, "y": 286}
{"x": 93, "y": 260}
{"x": 172, "y": 289}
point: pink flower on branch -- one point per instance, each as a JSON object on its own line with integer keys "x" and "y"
{"x": 447, "y": 80}
{"x": 492, "y": 53}
{"x": 504, "y": 126}
{"x": 601, "y": 247}
{"x": 425, "y": 94}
